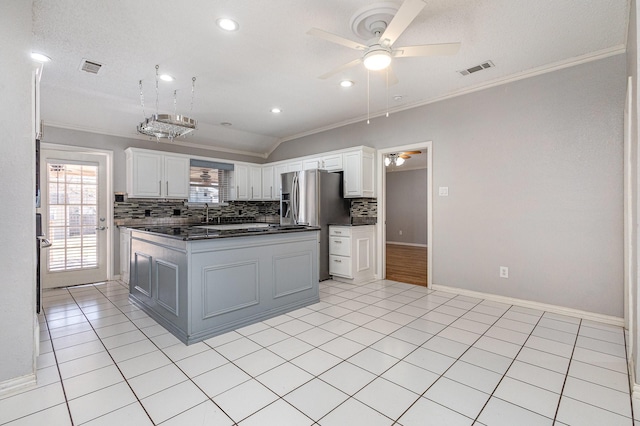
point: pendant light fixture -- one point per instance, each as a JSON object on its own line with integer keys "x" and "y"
{"x": 169, "y": 126}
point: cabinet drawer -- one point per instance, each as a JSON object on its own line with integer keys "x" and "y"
{"x": 340, "y": 231}
{"x": 340, "y": 246}
{"x": 339, "y": 265}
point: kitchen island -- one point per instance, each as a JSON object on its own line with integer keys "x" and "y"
{"x": 198, "y": 282}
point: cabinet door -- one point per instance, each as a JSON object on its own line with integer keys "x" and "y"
{"x": 368, "y": 173}
{"x": 279, "y": 170}
{"x": 255, "y": 183}
{"x": 241, "y": 177}
{"x": 145, "y": 175}
{"x": 268, "y": 188}
{"x": 295, "y": 166}
{"x": 176, "y": 177}
{"x": 352, "y": 174}
{"x": 312, "y": 163}
{"x": 332, "y": 162}
{"x": 125, "y": 254}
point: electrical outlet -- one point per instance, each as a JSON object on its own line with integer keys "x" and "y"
{"x": 400, "y": 232}
{"x": 504, "y": 272}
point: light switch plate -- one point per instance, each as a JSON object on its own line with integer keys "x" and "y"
{"x": 443, "y": 191}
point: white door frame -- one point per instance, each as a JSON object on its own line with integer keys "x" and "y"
{"x": 109, "y": 176}
{"x": 629, "y": 246}
{"x": 381, "y": 182}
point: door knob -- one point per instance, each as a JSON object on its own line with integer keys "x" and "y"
{"x": 101, "y": 228}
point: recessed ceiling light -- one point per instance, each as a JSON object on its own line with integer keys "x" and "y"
{"x": 225, "y": 123}
{"x": 166, "y": 77}
{"x": 39, "y": 57}
{"x": 276, "y": 110}
{"x": 227, "y": 24}
{"x": 346, "y": 83}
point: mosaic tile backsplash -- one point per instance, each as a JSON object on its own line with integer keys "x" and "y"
{"x": 145, "y": 211}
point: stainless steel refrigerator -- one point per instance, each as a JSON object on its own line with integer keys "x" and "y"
{"x": 314, "y": 197}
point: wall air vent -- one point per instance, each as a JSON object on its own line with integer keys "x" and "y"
{"x": 90, "y": 66}
{"x": 476, "y": 68}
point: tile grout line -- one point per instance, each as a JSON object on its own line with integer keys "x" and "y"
{"x": 55, "y": 357}
{"x": 564, "y": 382}
{"x": 110, "y": 356}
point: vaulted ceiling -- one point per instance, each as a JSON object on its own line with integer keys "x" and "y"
{"x": 271, "y": 61}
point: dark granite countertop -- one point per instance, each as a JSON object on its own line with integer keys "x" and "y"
{"x": 200, "y": 232}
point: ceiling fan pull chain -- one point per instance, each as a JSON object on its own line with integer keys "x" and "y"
{"x": 368, "y": 101}
{"x": 387, "y": 78}
{"x": 175, "y": 102}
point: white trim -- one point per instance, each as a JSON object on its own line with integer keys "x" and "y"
{"x": 556, "y": 309}
{"x": 381, "y": 238}
{"x": 146, "y": 138}
{"x": 629, "y": 246}
{"x": 398, "y": 243}
{"x": 17, "y": 385}
{"x": 567, "y": 63}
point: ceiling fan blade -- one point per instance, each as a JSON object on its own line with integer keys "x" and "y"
{"x": 405, "y": 156}
{"x": 411, "y": 152}
{"x": 334, "y": 38}
{"x": 443, "y": 49}
{"x": 405, "y": 15}
{"x": 340, "y": 68}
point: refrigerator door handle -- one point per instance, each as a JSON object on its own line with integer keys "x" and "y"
{"x": 295, "y": 198}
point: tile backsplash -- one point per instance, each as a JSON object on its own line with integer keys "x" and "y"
{"x": 145, "y": 211}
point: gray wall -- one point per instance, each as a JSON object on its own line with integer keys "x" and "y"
{"x": 534, "y": 170}
{"x": 406, "y": 193}
{"x": 17, "y": 163}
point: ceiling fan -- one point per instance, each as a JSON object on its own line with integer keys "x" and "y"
{"x": 382, "y": 24}
{"x": 398, "y": 158}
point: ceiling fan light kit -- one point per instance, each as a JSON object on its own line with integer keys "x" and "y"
{"x": 378, "y": 59}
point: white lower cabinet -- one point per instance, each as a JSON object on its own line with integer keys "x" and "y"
{"x": 125, "y": 254}
{"x": 352, "y": 253}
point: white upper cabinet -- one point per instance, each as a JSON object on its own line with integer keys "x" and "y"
{"x": 328, "y": 162}
{"x": 255, "y": 183}
{"x": 155, "y": 175}
{"x": 268, "y": 183}
{"x": 312, "y": 163}
{"x": 359, "y": 173}
{"x": 332, "y": 162}
{"x": 247, "y": 181}
{"x": 279, "y": 169}
{"x": 294, "y": 166}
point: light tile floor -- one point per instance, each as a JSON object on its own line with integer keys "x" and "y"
{"x": 382, "y": 353}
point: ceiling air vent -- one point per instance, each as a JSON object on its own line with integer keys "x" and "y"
{"x": 482, "y": 66}
{"x": 90, "y": 66}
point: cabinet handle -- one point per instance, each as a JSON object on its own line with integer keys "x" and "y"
{"x": 237, "y": 192}
{"x": 337, "y": 232}
{"x": 167, "y": 189}
{"x": 338, "y": 242}
{"x": 337, "y": 260}
{"x": 160, "y": 188}
{"x": 252, "y": 192}
{"x": 271, "y": 192}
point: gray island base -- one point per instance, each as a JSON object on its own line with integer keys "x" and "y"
{"x": 201, "y": 288}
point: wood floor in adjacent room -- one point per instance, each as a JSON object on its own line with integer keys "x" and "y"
{"x": 407, "y": 264}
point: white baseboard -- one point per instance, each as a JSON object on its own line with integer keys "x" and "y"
{"x": 556, "y": 309}
{"x": 406, "y": 244}
{"x": 17, "y": 385}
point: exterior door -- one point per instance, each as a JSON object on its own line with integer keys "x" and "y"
{"x": 74, "y": 212}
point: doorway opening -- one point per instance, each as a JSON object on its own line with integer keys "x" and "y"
{"x": 404, "y": 230}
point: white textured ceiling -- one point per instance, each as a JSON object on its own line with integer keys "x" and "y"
{"x": 271, "y": 61}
